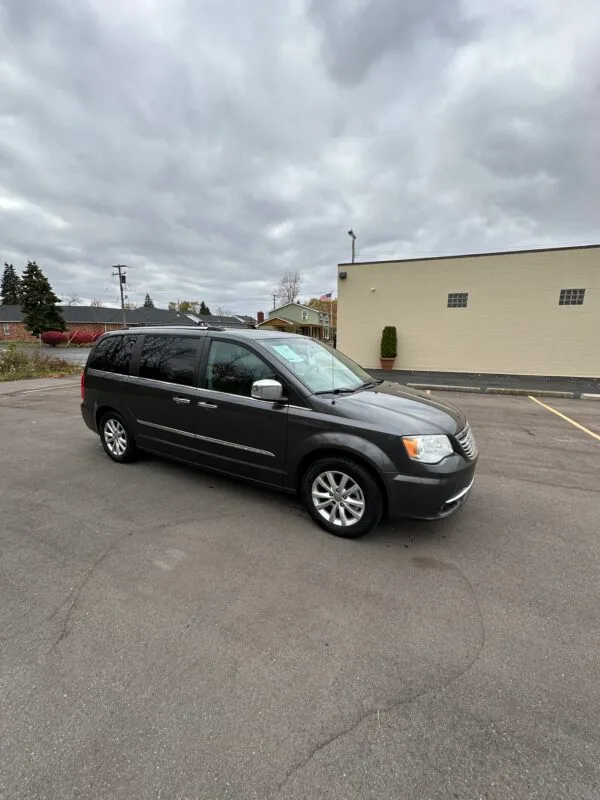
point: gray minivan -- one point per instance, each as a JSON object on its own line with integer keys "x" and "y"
{"x": 283, "y": 410}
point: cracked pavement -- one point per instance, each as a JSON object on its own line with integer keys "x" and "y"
{"x": 166, "y": 633}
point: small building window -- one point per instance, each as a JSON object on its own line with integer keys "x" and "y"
{"x": 6, "y": 328}
{"x": 571, "y": 297}
{"x": 304, "y": 314}
{"x": 458, "y": 299}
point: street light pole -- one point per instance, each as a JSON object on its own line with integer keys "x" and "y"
{"x": 352, "y": 235}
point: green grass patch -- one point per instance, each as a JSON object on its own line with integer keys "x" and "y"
{"x": 17, "y": 364}
{"x": 28, "y": 345}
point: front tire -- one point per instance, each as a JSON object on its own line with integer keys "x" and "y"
{"x": 116, "y": 439}
{"x": 342, "y": 497}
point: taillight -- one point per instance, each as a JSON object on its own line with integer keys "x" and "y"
{"x": 82, "y": 384}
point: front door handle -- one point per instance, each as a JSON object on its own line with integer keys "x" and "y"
{"x": 181, "y": 400}
{"x": 203, "y": 404}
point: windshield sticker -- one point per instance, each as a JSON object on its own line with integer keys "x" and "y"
{"x": 285, "y": 351}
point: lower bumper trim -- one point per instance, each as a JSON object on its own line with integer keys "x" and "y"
{"x": 460, "y": 495}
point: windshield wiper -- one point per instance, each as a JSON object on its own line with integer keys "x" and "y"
{"x": 338, "y": 391}
{"x": 371, "y": 384}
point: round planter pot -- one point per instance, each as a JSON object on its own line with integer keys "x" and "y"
{"x": 387, "y": 364}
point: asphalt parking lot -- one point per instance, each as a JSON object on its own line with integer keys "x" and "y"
{"x": 166, "y": 633}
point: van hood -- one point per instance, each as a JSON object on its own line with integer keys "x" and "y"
{"x": 402, "y": 410}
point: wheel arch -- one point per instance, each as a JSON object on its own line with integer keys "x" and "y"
{"x": 103, "y": 409}
{"x": 335, "y": 451}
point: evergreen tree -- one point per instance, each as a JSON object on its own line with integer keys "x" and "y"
{"x": 148, "y": 302}
{"x": 204, "y": 309}
{"x": 10, "y": 287}
{"x": 39, "y": 303}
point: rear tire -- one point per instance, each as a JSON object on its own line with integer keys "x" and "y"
{"x": 116, "y": 438}
{"x": 342, "y": 496}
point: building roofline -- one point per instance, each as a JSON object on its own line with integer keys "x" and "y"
{"x": 296, "y": 305}
{"x": 470, "y": 255}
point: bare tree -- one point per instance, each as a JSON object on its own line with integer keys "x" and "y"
{"x": 223, "y": 312}
{"x": 72, "y": 299}
{"x": 288, "y": 288}
{"x": 96, "y": 304}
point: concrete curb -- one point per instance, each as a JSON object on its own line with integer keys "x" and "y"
{"x": 590, "y": 396}
{"x": 442, "y": 387}
{"x": 527, "y": 392}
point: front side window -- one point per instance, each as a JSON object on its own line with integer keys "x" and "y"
{"x": 304, "y": 314}
{"x": 233, "y": 368}
{"x": 318, "y": 366}
{"x": 6, "y": 328}
{"x": 169, "y": 358}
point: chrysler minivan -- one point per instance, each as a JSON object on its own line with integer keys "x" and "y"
{"x": 283, "y": 410}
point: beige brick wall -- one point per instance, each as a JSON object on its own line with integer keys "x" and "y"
{"x": 513, "y": 323}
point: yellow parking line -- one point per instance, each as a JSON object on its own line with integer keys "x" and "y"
{"x": 567, "y": 419}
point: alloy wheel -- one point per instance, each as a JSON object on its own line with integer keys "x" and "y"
{"x": 115, "y": 437}
{"x": 338, "y": 498}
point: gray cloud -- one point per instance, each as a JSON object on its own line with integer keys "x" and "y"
{"x": 214, "y": 146}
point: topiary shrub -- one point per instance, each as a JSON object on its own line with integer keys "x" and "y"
{"x": 389, "y": 342}
{"x": 54, "y": 338}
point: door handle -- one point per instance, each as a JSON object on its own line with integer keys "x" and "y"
{"x": 181, "y": 400}
{"x": 203, "y": 404}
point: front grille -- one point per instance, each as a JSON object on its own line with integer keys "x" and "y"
{"x": 467, "y": 442}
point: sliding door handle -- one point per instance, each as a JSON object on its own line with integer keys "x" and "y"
{"x": 182, "y": 400}
{"x": 203, "y": 404}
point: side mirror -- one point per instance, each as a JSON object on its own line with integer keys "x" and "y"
{"x": 268, "y": 390}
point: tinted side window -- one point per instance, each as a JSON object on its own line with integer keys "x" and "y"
{"x": 120, "y": 357}
{"x": 101, "y": 355}
{"x": 113, "y": 354}
{"x": 233, "y": 368}
{"x": 169, "y": 358}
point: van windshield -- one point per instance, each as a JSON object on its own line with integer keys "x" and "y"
{"x": 320, "y": 368}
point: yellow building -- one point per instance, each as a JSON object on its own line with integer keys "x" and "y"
{"x": 527, "y": 312}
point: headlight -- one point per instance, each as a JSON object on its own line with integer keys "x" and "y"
{"x": 427, "y": 449}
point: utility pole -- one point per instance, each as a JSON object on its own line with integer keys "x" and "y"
{"x": 352, "y": 235}
{"x": 122, "y": 281}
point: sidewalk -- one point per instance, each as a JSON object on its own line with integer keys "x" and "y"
{"x": 37, "y": 384}
{"x": 585, "y": 388}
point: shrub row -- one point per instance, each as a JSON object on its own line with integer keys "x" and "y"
{"x": 55, "y": 338}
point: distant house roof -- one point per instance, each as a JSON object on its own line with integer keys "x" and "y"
{"x": 100, "y": 315}
{"x": 287, "y": 305}
{"x": 228, "y": 322}
{"x": 271, "y": 320}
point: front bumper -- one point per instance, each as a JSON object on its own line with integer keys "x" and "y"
{"x": 432, "y": 496}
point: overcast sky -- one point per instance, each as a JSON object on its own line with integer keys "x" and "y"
{"x": 214, "y": 144}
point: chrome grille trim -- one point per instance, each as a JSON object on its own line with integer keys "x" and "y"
{"x": 467, "y": 442}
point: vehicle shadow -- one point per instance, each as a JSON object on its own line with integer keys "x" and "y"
{"x": 404, "y": 532}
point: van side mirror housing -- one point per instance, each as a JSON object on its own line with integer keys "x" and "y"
{"x": 267, "y": 389}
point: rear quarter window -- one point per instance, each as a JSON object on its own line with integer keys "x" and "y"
{"x": 113, "y": 354}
